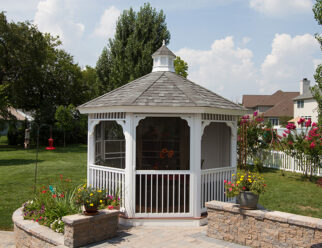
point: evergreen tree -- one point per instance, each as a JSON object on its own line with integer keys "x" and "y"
{"x": 137, "y": 37}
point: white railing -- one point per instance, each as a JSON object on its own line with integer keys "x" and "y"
{"x": 212, "y": 184}
{"x": 162, "y": 193}
{"x": 111, "y": 179}
{"x": 280, "y": 160}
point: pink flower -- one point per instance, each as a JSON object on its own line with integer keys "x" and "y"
{"x": 290, "y": 126}
{"x": 230, "y": 189}
{"x": 110, "y": 207}
{"x": 229, "y": 182}
{"x": 225, "y": 181}
{"x": 284, "y": 134}
{"x": 314, "y": 124}
{"x": 308, "y": 123}
{"x": 290, "y": 143}
{"x": 255, "y": 113}
{"x": 312, "y": 145}
{"x": 301, "y": 121}
{"x": 287, "y": 131}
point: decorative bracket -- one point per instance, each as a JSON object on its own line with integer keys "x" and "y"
{"x": 91, "y": 126}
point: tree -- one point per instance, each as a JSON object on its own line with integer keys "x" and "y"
{"x": 92, "y": 87}
{"x": 35, "y": 75}
{"x": 317, "y": 89}
{"x": 181, "y": 67}
{"x": 137, "y": 37}
{"x": 64, "y": 118}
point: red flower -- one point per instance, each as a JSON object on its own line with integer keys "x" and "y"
{"x": 110, "y": 207}
{"x": 230, "y": 189}
{"x": 301, "y": 121}
{"x": 44, "y": 191}
{"x": 308, "y": 123}
{"x": 61, "y": 195}
{"x": 284, "y": 134}
{"x": 312, "y": 145}
{"x": 255, "y": 113}
{"x": 37, "y": 220}
{"x": 244, "y": 188}
{"x": 264, "y": 185}
{"x": 314, "y": 124}
{"x": 287, "y": 131}
{"x": 225, "y": 181}
{"x": 290, "y": 143}
{"x": 291, "y": 126}
{"x": 54, "y": 196}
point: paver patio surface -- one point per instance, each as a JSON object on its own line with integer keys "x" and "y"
{"x": 146, "y": 237}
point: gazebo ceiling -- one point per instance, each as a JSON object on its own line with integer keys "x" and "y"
{"x": 161, "y": 88}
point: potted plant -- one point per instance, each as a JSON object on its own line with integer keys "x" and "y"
{"x": 91, "y": 199}
{"x": 246, "y": 187}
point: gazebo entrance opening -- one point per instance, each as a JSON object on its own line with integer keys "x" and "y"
{"x": 162, "y": 166}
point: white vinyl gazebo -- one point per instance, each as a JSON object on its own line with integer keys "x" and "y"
{"x": 163, "y": 144}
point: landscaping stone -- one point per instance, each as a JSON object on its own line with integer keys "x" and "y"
{"x": 262, "y": 228}
{"x": 82, "y": 230}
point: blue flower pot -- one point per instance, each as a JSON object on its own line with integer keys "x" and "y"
{"x": 247, "y": 200}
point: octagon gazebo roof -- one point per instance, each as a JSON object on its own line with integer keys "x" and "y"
{"x": 162, "y": 88}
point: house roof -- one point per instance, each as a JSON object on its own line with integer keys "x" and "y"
{"x": 251, "y": 101}
{"x": 283, "y": 108}
{"x": 305, "y": 95}
{"x": 162, "y": 88}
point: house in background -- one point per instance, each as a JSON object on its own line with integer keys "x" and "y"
{"x": 305, "y": 106}
{"x": 273, "y": 107}
{"x": 19, "y": 116}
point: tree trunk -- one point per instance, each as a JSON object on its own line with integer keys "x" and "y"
{"x": 64, "y": 139}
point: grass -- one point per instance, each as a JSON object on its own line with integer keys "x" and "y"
{"x": 17, "y": 168}
{"x": 291, "y": 193}
{"x": 288, "y": 193}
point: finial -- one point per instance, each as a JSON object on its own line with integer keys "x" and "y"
{"x": 163, "y": 43}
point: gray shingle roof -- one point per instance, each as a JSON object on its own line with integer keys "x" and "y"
{"x": 163, "y": 50}
{"x": 306, "y": 95}
{"x": 162, "y": 89}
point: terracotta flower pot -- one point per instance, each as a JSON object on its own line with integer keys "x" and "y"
{"x": 247, "y": 200}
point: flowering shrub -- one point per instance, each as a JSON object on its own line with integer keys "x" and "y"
{"x": 254, "y": 136}
{"x": 247, "y": 181}
{"x": 51, "y": 203}
{"x": 304, "y": 145}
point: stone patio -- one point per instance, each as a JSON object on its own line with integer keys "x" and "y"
{"x": 155, "y": 237}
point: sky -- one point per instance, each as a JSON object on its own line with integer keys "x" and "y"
{"x": 232, "y": 47}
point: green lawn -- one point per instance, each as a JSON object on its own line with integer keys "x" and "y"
{"x": 287, "y": 193}
{"x": 17, "y": 168}
{"x": 291, "y": 193}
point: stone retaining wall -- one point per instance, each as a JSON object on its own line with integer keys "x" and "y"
{"x": 79, "y": 230}
{"x": 262, "y": 228}
{"x": 82, "y": 230}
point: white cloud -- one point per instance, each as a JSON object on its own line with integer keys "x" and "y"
{"x": 281, "y": 7}
{"x": 56, "y": 17}
{"x": 224, "y": 69}
{"x": 246, "y": 40}
{"x": 106, "y": 26}
{"x": 229, "y": 70}
{"x": 290, "y": 60}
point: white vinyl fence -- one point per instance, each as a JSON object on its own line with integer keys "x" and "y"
{"x": 212, "y": 184}
{"x": 280, "y": 160}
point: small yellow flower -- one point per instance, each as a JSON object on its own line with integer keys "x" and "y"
{"x": 238, "y": 182}
{"x": 233, "y": 174}
{"x": 99, "y": 191}
{"x": 101, "y": 201}
{"x": 90, "y": 194}
{"x": 91, "y": 204}
{"x": 87, "y": 201}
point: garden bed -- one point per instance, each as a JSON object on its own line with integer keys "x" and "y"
{"x": 79, "y": 230}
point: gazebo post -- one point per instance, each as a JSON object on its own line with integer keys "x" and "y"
{"x": 233, "y": 142}
{"x": 129, "y": 131}
{"x": 195, "y": 164}
{"x": 91, "y": 148}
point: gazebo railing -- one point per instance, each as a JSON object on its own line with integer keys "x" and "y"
{"x": 111, "y": 179}
{"x": 212, "y": 184}
{"x": 162, "y": 193}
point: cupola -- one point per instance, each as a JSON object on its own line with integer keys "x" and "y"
{"x": 163, "y": 59}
